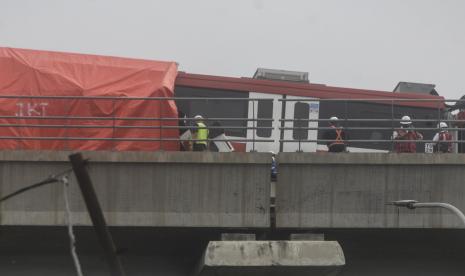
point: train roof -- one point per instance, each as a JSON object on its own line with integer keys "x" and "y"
{"x": 320, "y": 91}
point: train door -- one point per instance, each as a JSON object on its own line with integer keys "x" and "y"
{"x": 265, "y": 109}
{"x": 303, "y": 110}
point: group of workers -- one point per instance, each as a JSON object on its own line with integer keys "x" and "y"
{"x": 404, "y": 137}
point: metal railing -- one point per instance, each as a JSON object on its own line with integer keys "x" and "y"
{"x": 74, "y": 118}
{"x": 52, "y": 114}
{"x": 389, "y": 119}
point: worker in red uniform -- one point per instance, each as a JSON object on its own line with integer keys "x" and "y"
{"x": 443, "y": 139}
{"x": 405, "y": 137}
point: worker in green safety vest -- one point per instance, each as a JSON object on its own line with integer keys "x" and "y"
{"x": 200, "y": 134}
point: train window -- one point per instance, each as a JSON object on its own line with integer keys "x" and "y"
{"x": 376, "y": 135}
{"x": 301, "y": 111}
{"x": 430, "y": 122}
{"x": 216, "y": 108}
{"x": 264, "y": 111}
{"x": 223, "y": 109}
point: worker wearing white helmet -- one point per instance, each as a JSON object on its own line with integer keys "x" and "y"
{"x": 334, "y": 120}
{"x": 442, "y": 139}
{"x": 335, "y": 136}
{"x": 200, "y": 134}
{"x": 406, "y": 121}
{"x": 405, "y": 136}
{"x": 442, "y": 125}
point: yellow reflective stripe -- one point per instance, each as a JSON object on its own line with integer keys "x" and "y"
{"x": 202, "y": 133}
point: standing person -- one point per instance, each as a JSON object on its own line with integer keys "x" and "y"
{"x": 200, "y": 134}
{"x": 443, "y": 139}
{"x": 184, "y": 132}
{"x": 407, "y": 134}
{"x": 274, "y": 167}
{"x": 336, "y": 136}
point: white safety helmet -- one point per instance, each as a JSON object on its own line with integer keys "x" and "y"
{"x": 405, "y": 120}
{"x": 198, "y": 117}
{"x": 272, "y": 152}
{"x": 442, "y": 125}
{"x": 333, "y": 119}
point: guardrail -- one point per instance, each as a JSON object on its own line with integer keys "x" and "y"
{"x": 51, "y": 114}
{"x": 393, "y": 109}
{"x": 48, "y": 113}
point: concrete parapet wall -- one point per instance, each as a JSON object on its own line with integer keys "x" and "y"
{"x": 143, "y": 189}
{"x": 350, "y": 190}
{"x": 232, "y": 189}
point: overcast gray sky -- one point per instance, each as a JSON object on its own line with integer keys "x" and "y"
{"x": 351, "y": 43}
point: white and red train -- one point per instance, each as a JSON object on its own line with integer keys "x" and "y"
{"x": 40, "y": 90}
{"x": 318, "y": 102}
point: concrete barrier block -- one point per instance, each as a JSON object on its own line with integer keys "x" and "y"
{"x": 272, "y": 258}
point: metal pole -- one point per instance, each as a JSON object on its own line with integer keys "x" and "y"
{"x": 254, "y": 125}
{"x": 300, "y": 137}
{"x": 347, "y": 142}
{"x": 160, "y": 122}
{"x": 96, "y": 214}
{"x": 447, "y": 206}
{"x": 113, "y": 113}
{"x": 392, "y": 126}
{"x": 413, "y": 204}
{"x": 438, "y": 126}
{"x": 67, "y": 125}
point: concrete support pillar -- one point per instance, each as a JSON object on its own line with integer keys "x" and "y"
{"x": 271, "y": 258}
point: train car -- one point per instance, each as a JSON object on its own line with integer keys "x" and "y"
{"x": 361, "y": 112}
{"x": 40, "y": 90}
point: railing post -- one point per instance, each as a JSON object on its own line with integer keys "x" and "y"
{"x": 160, "y": 122}
{"x": 253, "y": 125}
{"x": 300, "y": 134}
{"x": 439, "y": 121}
{"x": 392, "y": 125}
{"x": 345, "y": 124}
{"x": 67, "y": 111}
{"x": 300, "y": 138}
{"x": 113, "y": 112}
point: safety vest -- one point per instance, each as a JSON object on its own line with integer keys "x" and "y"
{"x": 444, "y": 145}
{"x": 410, "y": 147}
{"x": 202, "y": 134}
{"x": 338, "y": 140}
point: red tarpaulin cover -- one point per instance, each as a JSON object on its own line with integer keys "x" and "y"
{"x": 44, "y": 73}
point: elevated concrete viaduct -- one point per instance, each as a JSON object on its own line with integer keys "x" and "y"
{"x": 166, "y": 208}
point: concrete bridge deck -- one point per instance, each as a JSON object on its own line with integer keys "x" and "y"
{"x": 188, "y": 189}
{"x": 350, "y": 190}
{"x": 163, "y": 205}
{"x": 143, "y": 189}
